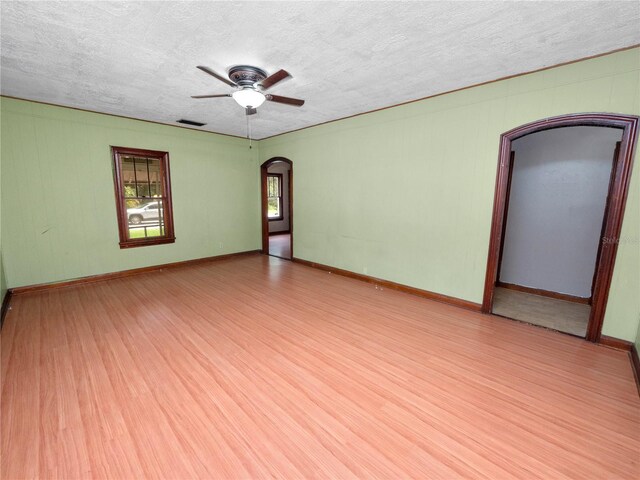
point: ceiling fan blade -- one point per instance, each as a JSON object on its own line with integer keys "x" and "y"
{"x": 251, "y": 111}
{"x": 286, "y": 100}
{"x": 215, "y": 75}
{"x": 211, "y": 96}
{"x": 271, "y": 80}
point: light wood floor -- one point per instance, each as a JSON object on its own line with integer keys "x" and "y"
{"x": 257, "y": 367}
{"x": 568, "y": 317}
{"x": 280, "y": 245}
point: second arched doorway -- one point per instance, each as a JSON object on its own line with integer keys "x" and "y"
{"x": 613, "y": 207}
{"x": 276, "y": 178}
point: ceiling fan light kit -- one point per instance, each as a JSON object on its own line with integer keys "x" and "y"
{"x": 248, "y": 97}
{"x": 251, "y": 83}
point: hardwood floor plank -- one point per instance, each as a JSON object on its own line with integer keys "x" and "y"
{"x": 21, "y": 396}
{"x": 259, "y": 368}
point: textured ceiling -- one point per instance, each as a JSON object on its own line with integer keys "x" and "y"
{"x": 138, "y": 59}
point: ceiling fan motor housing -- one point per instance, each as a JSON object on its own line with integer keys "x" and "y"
{"x": 246, "y": 75}
{"x": 250, "y": 83}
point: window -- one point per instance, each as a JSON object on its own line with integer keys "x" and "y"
{"x": 274, "y": 196}
{"x": 143, "y": 197}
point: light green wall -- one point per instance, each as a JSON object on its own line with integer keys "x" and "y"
{"x": 58, "y": 204}
{"x": 3, "y": 283}
{"x": 406, "y": 193}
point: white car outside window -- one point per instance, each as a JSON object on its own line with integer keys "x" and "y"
{"x": 150, "y": 211}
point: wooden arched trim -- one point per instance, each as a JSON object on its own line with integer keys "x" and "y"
{"x": 263, "y": 202}
{"x": 612, "y": 223}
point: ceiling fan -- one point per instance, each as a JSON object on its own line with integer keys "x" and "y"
{"x": 250, "y": 83}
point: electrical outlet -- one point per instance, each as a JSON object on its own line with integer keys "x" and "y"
{"x": 221, "y": 245}
{"x": 364, "y": 270}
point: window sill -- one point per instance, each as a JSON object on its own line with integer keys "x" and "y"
{"x": 145, "y": 243}
{"x": 276, "y": 219}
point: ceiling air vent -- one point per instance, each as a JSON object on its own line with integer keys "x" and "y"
{"x": 191, "y": 122}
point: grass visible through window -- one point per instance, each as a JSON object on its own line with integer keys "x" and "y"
{"x": 139, "y": 232}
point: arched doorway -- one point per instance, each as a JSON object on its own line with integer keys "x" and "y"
{"x": 276, "y": 178}
{"x": 613, "y": 213}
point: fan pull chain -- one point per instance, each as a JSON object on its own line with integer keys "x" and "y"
{"x": 249, "y": 131}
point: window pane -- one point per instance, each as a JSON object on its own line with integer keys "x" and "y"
{"x": 128, "y": 177}
{"x": 141, "y": 170}
{"x": 273, "y": 210}
{"x": 155, "y": 178}
{"x": 134, "y": 202}
{"x": 143, "y": 189}
{"x": 146, "y": 220}
{"x": 273, "y": 186}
